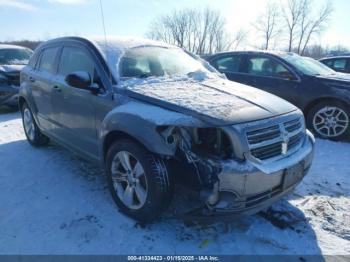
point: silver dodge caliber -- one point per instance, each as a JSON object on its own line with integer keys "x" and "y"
{"x": 154, "y": 115}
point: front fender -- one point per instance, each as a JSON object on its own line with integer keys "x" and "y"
{"x": 140, "y": 120}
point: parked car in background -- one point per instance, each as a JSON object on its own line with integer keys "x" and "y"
{"x": 321, "y": 93}
{"x": 12, "y": 60}
{"x": 338, "y": 63}
{"x": 152, "y": 115}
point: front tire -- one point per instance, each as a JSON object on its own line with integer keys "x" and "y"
{"x": 330, "y": 120}
{"x": 31, "y": 129}
{"x": 138, "y": 180}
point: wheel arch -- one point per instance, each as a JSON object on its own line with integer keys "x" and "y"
{"x": 21, "y": 101}
{"x": 313, "y": 103}
{"x": 114, "y": 135}
{"x": 152, "y": 144}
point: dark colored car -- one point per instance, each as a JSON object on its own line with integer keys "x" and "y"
{"x": 12, "y": 60}
{"x": 152, "y": 115}
{"x": 338, "y": 63}
{"x": 321, "y": 93}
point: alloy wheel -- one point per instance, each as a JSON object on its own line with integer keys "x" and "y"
{"x": 330, "y": 121}
{"x": 129, "y": 180}
{"x": 28, "y": 122}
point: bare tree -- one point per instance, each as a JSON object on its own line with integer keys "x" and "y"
{"x": 198, "y": 31}
{"x": 238, "y": 39}
{"x": 311, "y": 26}
{"x": 292, "y": 11}
{"x": 302, "y": 24}
{"x": 267, "y": 23}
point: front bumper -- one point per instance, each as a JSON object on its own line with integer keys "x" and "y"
{"x": 248, "y": 187}
{"x": 9, "y": 95}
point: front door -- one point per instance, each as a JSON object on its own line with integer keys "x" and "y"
{"x": 272, "y": 76}
{"x": 73, "y": 107}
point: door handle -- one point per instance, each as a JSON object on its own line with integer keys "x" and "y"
{"x": 57, "y": 88}
{"x": 31, "y": 79}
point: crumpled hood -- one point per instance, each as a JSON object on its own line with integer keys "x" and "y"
{"x": 11, "y": 68}
{"x": 214, "y": 101}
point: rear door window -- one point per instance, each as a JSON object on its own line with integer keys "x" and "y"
{"x": 47, "y": 60}
{"x": 230, "y": 64}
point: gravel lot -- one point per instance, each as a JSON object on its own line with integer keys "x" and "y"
{"x": 53, "y": 203}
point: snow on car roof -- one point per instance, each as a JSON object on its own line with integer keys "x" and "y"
{"x": 123, "y": 43}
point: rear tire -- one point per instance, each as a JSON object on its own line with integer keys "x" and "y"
{"x": 31, "y": 129}
{"x": 138, "y": 180}
{"x": 329, "y": 120}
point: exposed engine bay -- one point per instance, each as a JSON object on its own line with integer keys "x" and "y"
{"x": 198, "y": 149}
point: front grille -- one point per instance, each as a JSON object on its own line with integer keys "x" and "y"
{"x": 277, "y": 139}
{"x": 13, "y": 78}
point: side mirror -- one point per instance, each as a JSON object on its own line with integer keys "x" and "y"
{"x": 79, "y": 79}
{"x": 287, "y": 75}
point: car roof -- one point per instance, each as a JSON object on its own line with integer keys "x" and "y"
{"x": 270, "y": 52}
{"x": 113, "y": 42}
{"x": 111, "y": 48}
{"x": 335, "y": 57}
{"x": 6, "y": 46}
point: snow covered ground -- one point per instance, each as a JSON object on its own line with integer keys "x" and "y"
{"x": 53, "y": 203}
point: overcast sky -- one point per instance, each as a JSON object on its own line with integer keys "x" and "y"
{"x": 44, "y": 19}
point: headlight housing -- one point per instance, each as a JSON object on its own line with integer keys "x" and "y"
{"x": 211, "y": 142}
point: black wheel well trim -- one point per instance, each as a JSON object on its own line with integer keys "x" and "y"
{"x": 319, "y": 100}
{"x": 21, "y": 101}
{"x": 112, "y": 136}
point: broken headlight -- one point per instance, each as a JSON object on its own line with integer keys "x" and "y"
{"x": 204, "y": 142}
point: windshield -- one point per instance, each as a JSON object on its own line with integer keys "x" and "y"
{"x": 308, "y": 65}
{"x": 12, "y": 56}
{"x": 143, "y": 62}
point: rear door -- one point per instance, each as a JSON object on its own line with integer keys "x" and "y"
{"x": 74, "y": 108}
{"x": 41, "y": 82}
{"x": 231, "y": 65}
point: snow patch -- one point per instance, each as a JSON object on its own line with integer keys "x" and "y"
{"x": 61, "y": 202}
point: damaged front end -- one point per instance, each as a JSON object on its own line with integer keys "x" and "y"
{"x": 243, "y": 168}
{"x": 196, "y": 151}
{"x": 9, "y": 87}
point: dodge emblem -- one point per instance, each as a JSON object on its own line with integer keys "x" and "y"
{"x": 285, "y": 143}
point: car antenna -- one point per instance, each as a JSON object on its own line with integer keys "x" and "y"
{"x": 105, "y": 36}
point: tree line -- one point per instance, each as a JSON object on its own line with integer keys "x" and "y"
{"x": 290, "y": 25}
